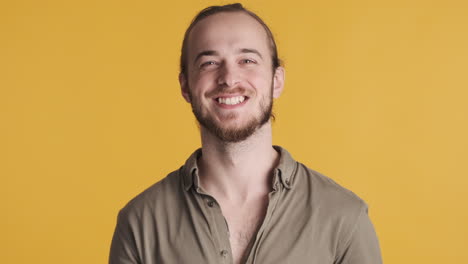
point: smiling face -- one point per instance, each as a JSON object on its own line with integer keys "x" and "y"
{"x": 230, "y": 82}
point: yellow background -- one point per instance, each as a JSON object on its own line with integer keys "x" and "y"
{"x": 91, "y": 114}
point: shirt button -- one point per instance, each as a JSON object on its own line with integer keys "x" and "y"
{"x": 210, "y": 203}
{"x": 224, "y": 253}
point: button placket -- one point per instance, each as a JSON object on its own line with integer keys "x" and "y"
{"x": 214, "y": 211}
{"x": 273, "y": 198}
{"x": 217, "y": 225}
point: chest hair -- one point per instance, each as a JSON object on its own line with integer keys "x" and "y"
{"x": 244, "y": 223}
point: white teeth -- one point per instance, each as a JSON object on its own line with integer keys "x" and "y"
{"x": 231, "y": 100}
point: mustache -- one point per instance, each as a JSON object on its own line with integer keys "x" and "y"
{"x": 229, "y": 91}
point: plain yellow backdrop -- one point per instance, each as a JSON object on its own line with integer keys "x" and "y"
{"x": 91, "y": 115}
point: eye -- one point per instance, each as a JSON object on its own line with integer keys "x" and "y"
{"x": 248, "y": 61}
{"x": 208, "y": 63}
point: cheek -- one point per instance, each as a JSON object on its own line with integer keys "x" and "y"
{"x": 200, "y": 82}
{"x": 259, "y": 79}
{"x": 200, "y": 86}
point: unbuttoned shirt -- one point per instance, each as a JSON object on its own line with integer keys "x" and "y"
{"x": 309, "y": 219}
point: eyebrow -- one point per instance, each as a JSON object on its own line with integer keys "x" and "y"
{"x": 215, "y": 53}
{"x": 251, "y": 51}
{"x": 205, "y": 53}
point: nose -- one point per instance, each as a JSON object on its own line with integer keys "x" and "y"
{"x": 228, "y": 75}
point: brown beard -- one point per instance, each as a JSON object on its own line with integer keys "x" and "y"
{"x": 232, "y": 135}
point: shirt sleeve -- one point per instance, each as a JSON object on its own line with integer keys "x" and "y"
{"x": 363, "y": 245}
{"x": 123, "y": 248}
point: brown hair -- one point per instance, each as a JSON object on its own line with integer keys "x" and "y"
{"x": 237, "y": 7}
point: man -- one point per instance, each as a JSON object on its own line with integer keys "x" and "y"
{"x": 239, "y": 199}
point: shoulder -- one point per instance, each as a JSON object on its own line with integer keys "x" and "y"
{"x": 332, "y": 206}
{"x": 335, "y": 207}
{"x": 165, "y": 191}
{"x": 336, "y": 210}
{"x": 315, "y": 189}
{"x": 327, "y": 193}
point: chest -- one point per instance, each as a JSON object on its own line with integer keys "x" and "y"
{"x": 243, "y": 223}
{"x": 292, "y": 234}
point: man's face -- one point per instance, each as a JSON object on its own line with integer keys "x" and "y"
{"x": 230, "y": 82}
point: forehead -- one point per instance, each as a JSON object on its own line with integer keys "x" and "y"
{"x": 227, "y": 30}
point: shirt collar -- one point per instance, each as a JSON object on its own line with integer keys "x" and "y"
{"x": 283, "y": 173}
{"x": 286, "y": 169}
{"x": 189, "y": 170}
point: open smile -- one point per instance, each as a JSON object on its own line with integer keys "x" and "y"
{"x": 230, "y": 102}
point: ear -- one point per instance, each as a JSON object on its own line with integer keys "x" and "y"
{"x": 278, "y": 82}
{"x": 184, "y": 87}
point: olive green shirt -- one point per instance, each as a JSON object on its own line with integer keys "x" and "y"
{"x": 309, "y": 219}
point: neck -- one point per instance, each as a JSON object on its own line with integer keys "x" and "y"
{"x": 238, "y": 171}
